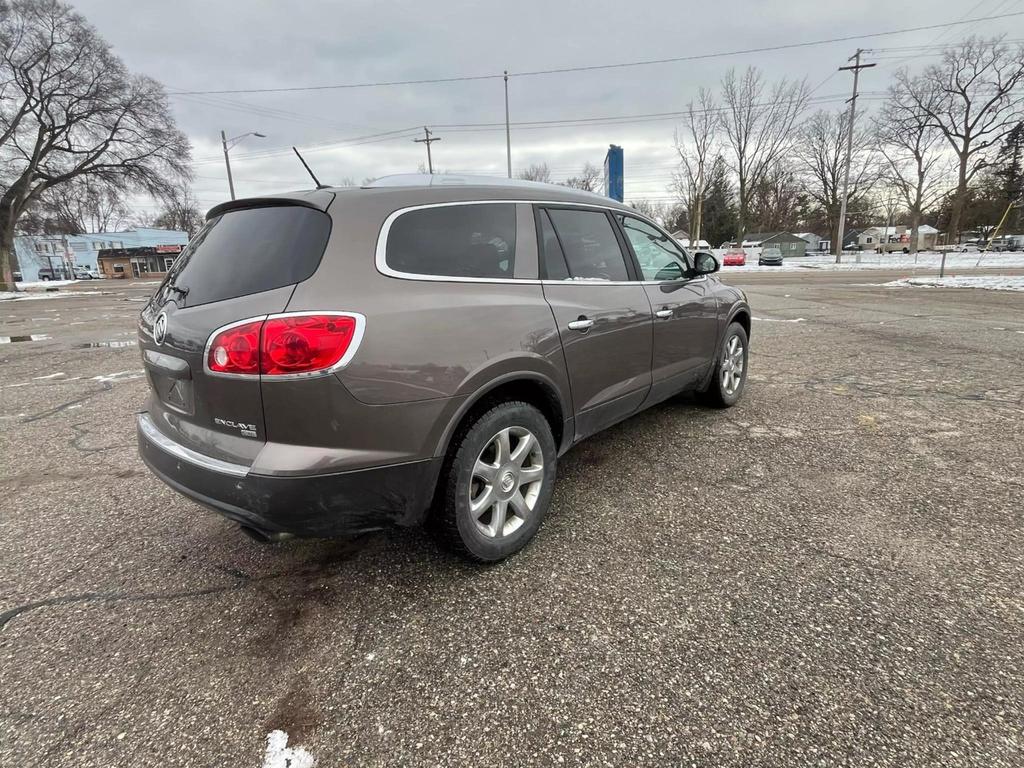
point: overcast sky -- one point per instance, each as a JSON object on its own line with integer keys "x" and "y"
{"x": 192, "y": 45}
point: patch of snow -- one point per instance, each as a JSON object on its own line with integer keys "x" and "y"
{"x": 27, "y": 296}
{"x": 851, "y": 261}
{"x": 46, "y": 284}
{"x": 780, "y": 320}
{"x": 57, "y": 375}
{"x": 987, "y": 282}
{"x": 280, "y": 755}
{"x": 114, "y": 378}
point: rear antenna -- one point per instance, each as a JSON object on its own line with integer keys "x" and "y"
{"x": 309, "y": 170}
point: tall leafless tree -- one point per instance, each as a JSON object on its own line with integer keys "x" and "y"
{"x": 69, "y": 110}
{"x": 822, "y": 152}
{"x": 535, "y": 172}
{"x": 696, "y": 145}
{"x": 85, "y": 206}
{"x": 179, "y": 210}
{"x": 916, "y": 160}
{"x": 758, "y": 130}
{"x": 589, "y": 179}
{"x": 974, "y": 97}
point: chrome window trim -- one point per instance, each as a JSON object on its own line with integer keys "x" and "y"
{"x": 167, "y": 445}
{"x": 353, "y": 347}
{"x": 380, "y": 254}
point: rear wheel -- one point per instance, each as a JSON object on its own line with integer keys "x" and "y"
{"x": 497, "y": 483}
{"x": 730, "y": 375}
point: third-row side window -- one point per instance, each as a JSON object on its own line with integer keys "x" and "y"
{"x": 455, "y": 241}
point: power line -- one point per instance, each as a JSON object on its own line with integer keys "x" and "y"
{"x": 596, "y": 67}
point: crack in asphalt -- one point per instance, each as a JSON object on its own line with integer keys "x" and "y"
{"x": 323, "y": 568}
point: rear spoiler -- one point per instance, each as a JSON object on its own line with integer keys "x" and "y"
{"x": 319, "y": 200}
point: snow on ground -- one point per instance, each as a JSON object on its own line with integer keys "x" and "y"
{"x": 852, "y": 261}
{"x": 280, "y": 755}
{"x": 988, "y": 282}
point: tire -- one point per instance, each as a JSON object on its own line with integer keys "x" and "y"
{"x": 717, "y": 394}
{"x": 456, "y": 523}
{"x": 45, "y": 279}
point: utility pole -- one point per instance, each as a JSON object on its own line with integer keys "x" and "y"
{"x": 856, "y": 67}
{"x": 227, "y": 162}
{"x": 508, "y": 132}
{"x": 428, "y": 139}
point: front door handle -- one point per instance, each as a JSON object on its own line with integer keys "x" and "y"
{"x": 663, "y": 313}
{"x": 583, "y": 324}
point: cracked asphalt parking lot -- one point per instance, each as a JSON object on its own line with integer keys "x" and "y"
{"x": 828, "y": 574}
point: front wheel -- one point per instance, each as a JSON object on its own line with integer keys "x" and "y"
{"x": 497, "y": 483}
{"x": 730, "y": 375}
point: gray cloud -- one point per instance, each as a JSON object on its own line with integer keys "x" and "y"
{"x": 199, "y": 45}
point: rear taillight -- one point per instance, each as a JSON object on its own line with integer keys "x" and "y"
{"x": 236, "y": 349}
{"x": 305, "y": 343}
{"x": 284, "y": 345}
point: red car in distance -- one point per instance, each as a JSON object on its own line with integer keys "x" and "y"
{"x": 734, "y": 258}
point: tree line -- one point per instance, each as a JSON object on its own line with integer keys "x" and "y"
{"x": 945, "y": 147}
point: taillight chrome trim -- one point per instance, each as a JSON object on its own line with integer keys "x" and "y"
{"x": 353, "y": 347}
{"x": 209, "y": 342}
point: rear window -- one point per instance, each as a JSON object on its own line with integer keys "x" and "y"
{"x": 250, "y": 251}
{"x": 455, "y": 241}
{"x": 589, "y": 244}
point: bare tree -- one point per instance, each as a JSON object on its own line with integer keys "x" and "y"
{"x": 914, "y": 151}
{"x": 537, "y": 173}
{"x": 86, "y": 206}
{"x": 757, "y": 132}
{"x": 652, "y": 210}
{"x": 589, "y": 179}
{"x": 69, "y": 110}
{"x": 974, "y": 98}
{"x": 696, "y": 148}
{"x": 776, "y": 200}
{"x": 822, "y": 151}
{"x": 179, "y": 210}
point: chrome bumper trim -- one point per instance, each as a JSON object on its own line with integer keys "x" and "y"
{"x": 164, "y": 443}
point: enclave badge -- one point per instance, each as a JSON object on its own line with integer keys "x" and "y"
{"x": 160, "y": 328}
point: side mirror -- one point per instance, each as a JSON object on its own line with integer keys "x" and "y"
{"x": 704, "y": 264}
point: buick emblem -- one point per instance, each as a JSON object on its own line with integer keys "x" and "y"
{"x": 160, "y": 328}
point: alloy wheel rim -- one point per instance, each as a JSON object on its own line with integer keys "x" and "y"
{"x": 507, "y": 479}
{"x": 732, "y": 365}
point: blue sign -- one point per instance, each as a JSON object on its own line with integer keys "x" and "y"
{"x": 613, "y": 173}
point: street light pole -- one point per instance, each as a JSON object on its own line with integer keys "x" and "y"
{"x": 227, "y": 163}
{"x": 227, "y": 144}
{"x": 508, "y": 131}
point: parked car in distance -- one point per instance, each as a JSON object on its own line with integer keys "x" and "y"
{"x": 770, "y": 257}
{"x": 82, "y": 273}
{"x": 420, "y": 349}
{"x": 734, "y": 258}
{"x": 51, "y": 273}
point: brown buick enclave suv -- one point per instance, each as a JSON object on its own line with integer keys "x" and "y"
{"x": 419, "y": 349}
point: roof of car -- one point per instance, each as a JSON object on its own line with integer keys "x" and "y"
{"x": 417, "y": 188}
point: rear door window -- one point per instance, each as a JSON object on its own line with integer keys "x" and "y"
{"x": 477, "y": 241}
{"x": 589, "y": 244}
{"x": 249, "y": 251}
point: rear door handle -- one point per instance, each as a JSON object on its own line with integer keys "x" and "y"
{"x": 583, "y": 324}
{"x": 663, "y": 313}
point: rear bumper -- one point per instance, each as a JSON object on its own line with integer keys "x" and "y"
{"x": 326, "y": 505}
